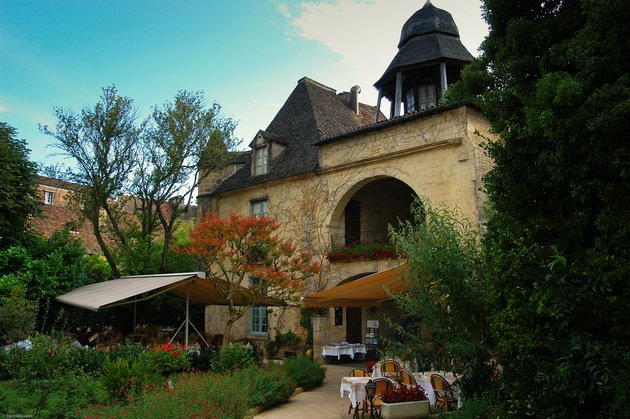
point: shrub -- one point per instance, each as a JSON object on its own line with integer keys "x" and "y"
{"x": 58, "y": 397}
{"x": 231, "y": 357}
{"x": 289, "y": 339}
{"x": 129, "y": 351}
{"x": 125, "y": 379}
{"x": 305, "y": 372}
{"x": 166, "y": 359}
{"x": 87, "y": 360}
{"x": 265, "y": 387}
{"x": 198, "y": 395}
{"x": 200, "y": 359}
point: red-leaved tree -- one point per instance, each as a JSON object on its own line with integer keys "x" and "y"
{"x": 248, "y": 263}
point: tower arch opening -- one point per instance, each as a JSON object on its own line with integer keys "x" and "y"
{"x": 368, "y": 209}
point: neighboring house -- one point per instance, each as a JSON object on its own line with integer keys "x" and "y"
{"x": 335, "y": 172}
{"x": 58, "y": 212}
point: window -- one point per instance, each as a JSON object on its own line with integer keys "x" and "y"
{"x": 258, "y": 318}
{"x": 261, "y": 160}
{"x": 48, "y": 197}
{"x": 338, "y": 316}
{"x": 258, "y": 324}
{"x": 259, "y": 207}
{"x": 426, "y": 96}
{"x": 411, "y": 101}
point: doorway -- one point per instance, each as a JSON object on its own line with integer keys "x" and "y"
{"x": 353, "y": 325}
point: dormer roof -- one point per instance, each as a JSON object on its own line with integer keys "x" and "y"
{"x": 312, "y": 112}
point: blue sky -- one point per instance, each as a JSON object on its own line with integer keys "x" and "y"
{"x": 245, "y": 54}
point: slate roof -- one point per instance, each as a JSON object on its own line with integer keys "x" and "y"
{"x": 429, "y": 35}
{"x": 311, "y": 112}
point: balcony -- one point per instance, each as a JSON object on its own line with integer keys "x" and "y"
{"x": 372, "y": 245}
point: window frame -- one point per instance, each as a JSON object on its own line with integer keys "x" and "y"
{"x": 258, "y": 318}
{"x": 49, "y": 197}
{"x": 261, "y": 160}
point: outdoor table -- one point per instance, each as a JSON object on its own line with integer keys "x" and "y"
{"x": 338, "y": 349}
{"x": 355, "y": 386}
{"x": 424, "y": 380}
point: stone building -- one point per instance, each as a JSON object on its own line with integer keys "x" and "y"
{"x": 58, "y": 212}
{"x": 334, "y": 171}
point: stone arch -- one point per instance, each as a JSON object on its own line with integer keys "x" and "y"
{"x": 377, "y": 201}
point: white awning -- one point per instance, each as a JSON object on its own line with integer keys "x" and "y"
{"x": 121, "y": 291}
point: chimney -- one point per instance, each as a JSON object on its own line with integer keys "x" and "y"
{"x": 354, "y": 99}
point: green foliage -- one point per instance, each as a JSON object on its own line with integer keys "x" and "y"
{"x": 554, "y": 81}
{"x": 200, "y": 360}
{"x": 306, "y": 316}
{"x": 193, "y": 395}
{"x": 443, "y": 324}
{"x": 17, "y": 314}
{"x": 288, "y": 339}
{"x": 232, "y": 357}
{"x": 305, "y": 372}
{"x": 18, "y": 187}
{"x": 358, "y": 251}
{"x": 127, "y": 378}
{"x": 58, "y": 397}
{"x": 32, "y": 274}
{"x": 264, "y": 387}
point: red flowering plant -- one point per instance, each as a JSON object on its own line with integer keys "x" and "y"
{"x": 167, "y": 359}
{"x": 404, "y": 394}
{"x": 362, "y": 251}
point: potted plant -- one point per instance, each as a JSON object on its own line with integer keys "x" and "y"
{"x": 404, "y": 402}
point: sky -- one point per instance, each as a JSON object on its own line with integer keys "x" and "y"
{"x": 246, "y": 55}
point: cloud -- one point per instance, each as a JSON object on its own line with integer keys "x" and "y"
{"x": 4, "y": 109}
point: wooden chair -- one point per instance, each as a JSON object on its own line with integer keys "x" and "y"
{"x": 390, "y": 369}
{"x": 444, "y": 398}
{"x": 358, "y": 372}
{"x": 406, "y": 378}
{"x": 382, "y": 386}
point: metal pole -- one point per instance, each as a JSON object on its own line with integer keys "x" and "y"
{"x": 187, "y": 314}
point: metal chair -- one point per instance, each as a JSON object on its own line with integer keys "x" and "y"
{"x": 444, "y": 397}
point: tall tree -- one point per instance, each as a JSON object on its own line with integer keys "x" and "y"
{"x": 554, "y": 81}
{"x": 184, "y": 141}
{"x": 104, "y": 142}
{"x": 18, "y": 187}
{"x": 247, "y": 262}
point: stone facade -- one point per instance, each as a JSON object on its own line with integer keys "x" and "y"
{"x": 339, "y": 174}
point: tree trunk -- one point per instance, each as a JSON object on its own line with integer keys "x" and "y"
{"x": 227, "y": 332}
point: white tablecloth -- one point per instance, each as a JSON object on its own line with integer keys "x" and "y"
{"x": 424, "y": 381}
{"x": 355, "y": 386}
{"x": 349, "y": 349}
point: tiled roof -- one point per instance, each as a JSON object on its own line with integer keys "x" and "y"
{"x": 55, "y": 218}
{"x": 57, "y": 183}
{"x": 311, "y": 112}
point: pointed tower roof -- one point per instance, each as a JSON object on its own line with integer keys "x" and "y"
{"x": 429, "y": 35}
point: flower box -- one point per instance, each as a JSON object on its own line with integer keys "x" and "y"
{"x": 405, "y": 410}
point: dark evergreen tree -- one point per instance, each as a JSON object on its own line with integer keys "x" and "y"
{"x": 553, "y": 80}
{"x": 18, "y": 187}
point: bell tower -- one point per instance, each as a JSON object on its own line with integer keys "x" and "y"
{"x": 430, "y": 57}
